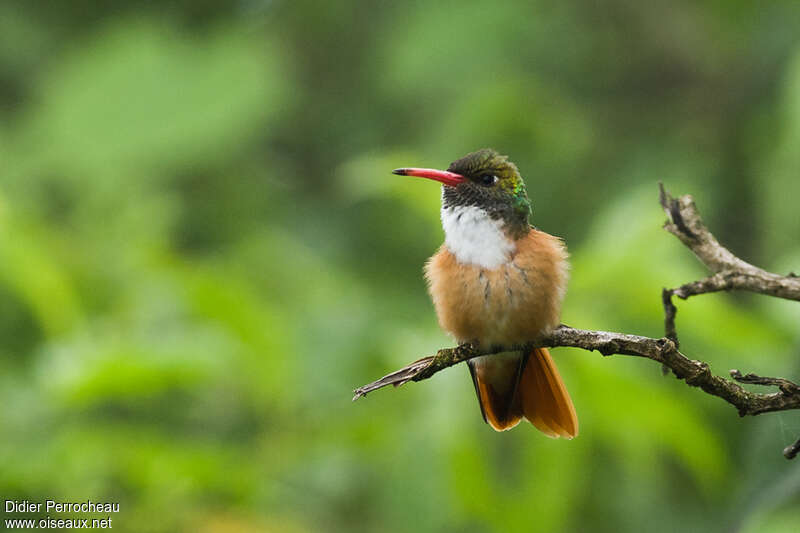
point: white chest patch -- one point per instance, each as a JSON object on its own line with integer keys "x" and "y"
{"x": 474, "y": 238}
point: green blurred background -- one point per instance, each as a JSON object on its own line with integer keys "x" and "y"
{"x": 203, "y": 251}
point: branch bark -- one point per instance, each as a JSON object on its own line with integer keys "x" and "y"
{"x": 664, "y": 351}
{"x": 729, "y": 273}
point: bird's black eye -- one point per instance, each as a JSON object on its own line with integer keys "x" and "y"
{"x": 488, "y": 179}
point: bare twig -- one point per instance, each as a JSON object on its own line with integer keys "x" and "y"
{"x": 791, "y": 451}
{"x": 786, "y": 287}
{"x": 669, "y": 316}
{"x": 729, "y": 273}
{"x": 785, "y": 385}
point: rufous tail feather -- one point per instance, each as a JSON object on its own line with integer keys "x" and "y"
{"x": 511, "y": 386}
{"x": 496, "y": 378}
{"x": 544, "y": 398}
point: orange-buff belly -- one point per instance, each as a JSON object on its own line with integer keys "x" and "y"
{"x": 503, "y": 306}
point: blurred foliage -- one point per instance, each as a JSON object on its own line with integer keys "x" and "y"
{"x": 202, "y": 252}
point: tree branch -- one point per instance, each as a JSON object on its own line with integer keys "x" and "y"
{"x": 729, "y": 273}
{"x": 664, "y": 351}
{"x": 791, "y": 451}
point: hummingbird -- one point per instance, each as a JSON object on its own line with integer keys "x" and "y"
{"x": 497, "y": 282}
